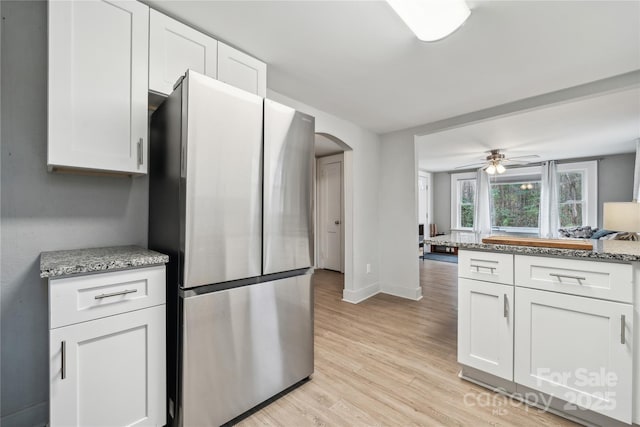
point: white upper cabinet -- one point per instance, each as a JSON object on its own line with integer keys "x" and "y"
{"x": 174, "y": 48}
{"x": 241, "y": 70}
{"x": 98, "y": 85}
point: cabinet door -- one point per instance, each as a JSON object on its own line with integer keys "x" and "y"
{"x": 241, "y": 70}
{"x": 98, "y": 85}
{"x": 577, "y": 349}
{"x": 174, "y": 48}
{"x": 485, "y": 327}
{"x": 110, "y": 371}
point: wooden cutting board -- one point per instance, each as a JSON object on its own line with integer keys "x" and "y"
{"x": 539, "y": 242}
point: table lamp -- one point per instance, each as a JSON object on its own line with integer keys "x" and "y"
{"x": 623, "y": 217}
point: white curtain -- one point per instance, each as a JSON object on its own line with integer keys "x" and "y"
{"x": 482, "y": 204}
{"x": 549, "y": 217}
{"x": 636, "y": 174}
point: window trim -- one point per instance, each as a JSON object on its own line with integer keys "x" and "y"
{"x": 589, "y": 188}
{"x": 455, "y": 199}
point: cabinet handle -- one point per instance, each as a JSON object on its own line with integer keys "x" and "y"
{"x": 63, "y": 352}
{"x": 623, "y": 339}
{"x": 561, "y": 276}
{"x": 478, "y": 267}
{"x": 506, "y": 307}
{"x": 114, "y": 294}
{"x": 140, "y": 153}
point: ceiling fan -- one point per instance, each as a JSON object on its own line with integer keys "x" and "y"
{"x": 495, "y": 162}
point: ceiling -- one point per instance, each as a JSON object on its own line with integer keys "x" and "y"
{"x": 357, "y": 59}
{"x": 595, "y": 126}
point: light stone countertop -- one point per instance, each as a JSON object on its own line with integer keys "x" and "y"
{"x": 82, "y": 261}
{"x": 604, "y": 250}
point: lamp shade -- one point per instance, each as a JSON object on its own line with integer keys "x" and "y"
{"x": 622, "y": 216}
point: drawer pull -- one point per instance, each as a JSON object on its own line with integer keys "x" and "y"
{"x": 63, "y": 353}
{"x": 478, "y": 267}
{"x": 565, "y": 276}
{"x": 115, "y": 294}
{"x": 623, "y": 338}
{"x": 506, "y": 307}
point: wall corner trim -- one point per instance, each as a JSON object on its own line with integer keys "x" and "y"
{"x": 359, "y": 295}
{"x": 414, "y": 294}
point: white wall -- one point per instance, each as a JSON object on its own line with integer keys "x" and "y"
{"x": 399, "y": 273}
{"x": 41, "y": 211}
{"x": 363, "y": 240}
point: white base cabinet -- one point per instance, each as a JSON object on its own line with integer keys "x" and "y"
{"x": 107, "y": 372}
{"x": 577, "y": 349}
{"x": 570, "y": 333}
{"x": 107, "y": 349}
{"x": 485, "y": 327}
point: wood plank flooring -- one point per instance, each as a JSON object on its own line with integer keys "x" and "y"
{"x": 392, "y": 362}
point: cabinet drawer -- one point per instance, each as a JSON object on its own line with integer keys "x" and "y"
{"x": 594, "y": 279}
{"x": 78, "y": 299}
{"x": 486, "y": 266}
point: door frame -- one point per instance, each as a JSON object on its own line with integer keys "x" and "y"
{"x": 335, "y": 158}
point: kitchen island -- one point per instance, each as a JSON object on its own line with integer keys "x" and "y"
{"x": 553, "y": 327}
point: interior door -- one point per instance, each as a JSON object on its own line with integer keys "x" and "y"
{"x": 330, "y": 206}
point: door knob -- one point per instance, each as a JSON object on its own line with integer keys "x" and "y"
{"x": 336, "y": 222}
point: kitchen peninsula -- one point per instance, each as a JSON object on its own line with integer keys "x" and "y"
{"x": 553, "y": 327}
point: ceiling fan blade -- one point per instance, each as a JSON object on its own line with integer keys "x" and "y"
{"x": 517, "y": 162}
{"x": 473, "y": 165}
{"x": 530, "y": 156}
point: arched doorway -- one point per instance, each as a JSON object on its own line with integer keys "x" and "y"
{"x": 333, "y": 207}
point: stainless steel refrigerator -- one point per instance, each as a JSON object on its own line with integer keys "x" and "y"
{"x": 230, "y": 202}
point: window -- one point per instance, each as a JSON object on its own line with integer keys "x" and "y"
{"x": 463, "y": 186}
{"x": 467, "y": 194}
{"x": 516, "y": 198}
{"x": 578, "y": 194}
{"x": 516, "y": 205}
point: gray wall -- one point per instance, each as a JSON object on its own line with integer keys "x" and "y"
{"x": 41, "y": 211}
{"x": 615, "y": 184}
{"x": 615, "y": 180}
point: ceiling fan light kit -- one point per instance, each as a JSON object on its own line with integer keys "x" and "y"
{"x": 494, "y": 162}
{"x": 431, "y": 20}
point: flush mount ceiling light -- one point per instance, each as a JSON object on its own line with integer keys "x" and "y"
{"x": 431, "y": 20}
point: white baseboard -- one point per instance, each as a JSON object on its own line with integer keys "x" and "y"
{"x": 414, "y": 294}
{"x": 359, "y": 295}
{"x": 33, "y": 416}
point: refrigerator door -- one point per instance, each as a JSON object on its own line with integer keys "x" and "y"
{"x": 242, "y": 346}
{"x": 288, "y": 188}
{"x": 222, "y": 180}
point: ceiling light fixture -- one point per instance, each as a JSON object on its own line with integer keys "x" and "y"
{"x": 431, "y": 20}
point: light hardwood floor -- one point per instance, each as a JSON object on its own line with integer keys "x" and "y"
{"x": 392, "y": 362}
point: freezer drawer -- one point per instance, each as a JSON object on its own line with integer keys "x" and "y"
{"x": 242, "y": 346}
{"x": 288, "y": 188}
